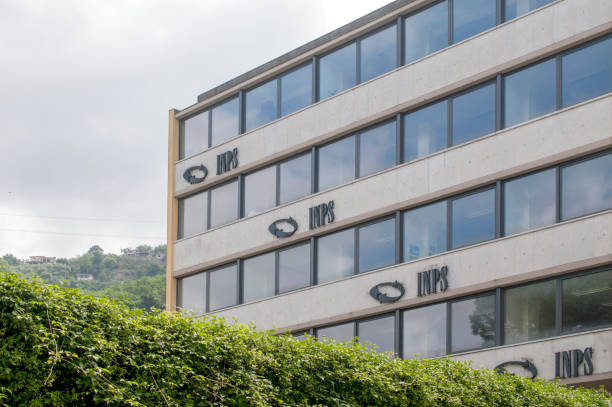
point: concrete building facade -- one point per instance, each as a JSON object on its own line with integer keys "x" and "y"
{"x": 434, "y": 178}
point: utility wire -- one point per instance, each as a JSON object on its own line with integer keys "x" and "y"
{"x": 76, "y": 218}
{"x": 47, "y": 232}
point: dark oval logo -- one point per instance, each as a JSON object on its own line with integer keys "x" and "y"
{"x": 384, "y": 298}
{"x": 278, "y": 232}
{"x": 192, "y": 179}
{"x": 501, "y": 368}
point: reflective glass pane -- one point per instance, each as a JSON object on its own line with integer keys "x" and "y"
{"x": 261, "y": 105}
{"x": 296, "y": 90}
{"x": 515, "y": 8}
{"x": 225, "y": 121}
{"x": 425, "y": 332}
{"x": 295, "y": 178}
{"x": 587, "y": 301}
{"x": 223, "y": 204}
{"x": 378, "y": 333}
{"x": 425, "y": 131}
{"x": 529, "y": 93}
{"x": 473, "y": 218}
{"x": 335, "y": 256}
{"x": 529, "y": 312}
{"x": 259, "y": 277}
{"x": 223, "y": 287}
{"x": 377, "y": 149}
{"x": 426, "y": 32}
{"x": 586, "y": 187}
{"x": 529, "y": 202}
{"x": 473, "y": 323}
{"x": 587, "y": 73}
{"x": 338, "y": 333}
{"x": 192, "y": 293}
{"x": 337, "y": 71}
{"x": 378, "y": 53}
{"x": 260, "y": 191}
{"x": 336, "y": 163}
{"x": 425, "y": 231}
{"x": 473, "y": 114}
{"x": 193, "y": 211}
{"x": 195, "y": 134}
{"x": 471, "y": 17}
{"x": 294, "y": 268}
{"x": 376, "y": 245}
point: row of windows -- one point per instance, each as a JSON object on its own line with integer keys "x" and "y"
{"x": 538, "y": 89}
{"x": 543, "y": 309}
{"x": 421, "y": 33}
{"x": 516, "y": 205}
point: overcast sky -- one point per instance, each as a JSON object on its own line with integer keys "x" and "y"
{"x": 85, "y": 89}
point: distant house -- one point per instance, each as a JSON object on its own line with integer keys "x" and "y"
{"x": 41, "y": 260}
{"x": 85, "y": 277}
{"x": 135, "y": 253}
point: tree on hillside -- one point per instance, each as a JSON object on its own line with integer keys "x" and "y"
{"x": 11, "y": 260}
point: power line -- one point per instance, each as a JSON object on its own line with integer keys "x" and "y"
{"x": 47, "y": 232}
{"x": 77, "y": 218}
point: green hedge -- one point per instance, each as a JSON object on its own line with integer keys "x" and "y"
{"x": 60, "y": 347}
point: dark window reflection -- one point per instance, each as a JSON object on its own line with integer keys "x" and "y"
{"x": 223, "y": 287}
{"x": 530, "y": 202}
{"x": 378, "y": 53}
{"x": 261, "y": 105}
{"x": 223, "y": 204}
{"x": 376, "y": 245}
{"x": 425, "y": 231}
{"x": 294, "y": 268}
{"x": 587, "y": 73}
{"x": 192, "y": 293}
{"x": 377, "y": 149}
{"x": 529, "y": 93}
{"x": 426, "y": 32}
{"x": 587, "y": 301}
{"x": 471, "y": 17}
{"x": 529, "y": 312}
{"x": 225, "y": 121}
{"x": 337, "y": 333}
{"x": 336, "y": 254}
{"x": 336, "y": 163}
{"x": 192, "y": 214}
{"x": 295, "y": 178}
{"x": 473, "y": 114}
{"x": 260, "y": 191}
{"x": 515, "y": 8}
{"x": 195, "y": 134}
{"x": 473, "y": 218}
{"x": 425, "y": 332}
{"x": 586, "y": 187}
{"x": 259, "y": 277}
{"x": 296, "y": 90}
{"x": 337, "y": 71}
{"x": 473, "y": 323}
{"x": 378, "y": 333}
{"x": 425, "y": 131}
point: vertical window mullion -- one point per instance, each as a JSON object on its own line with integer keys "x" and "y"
{"x": 276, "y": 273}
{"x": 399, "y": 145}
{"x": 356, "y": 251}
{"x": 357, "y": 161}
{"x": 498, "y": 317}
{"x": 208, "y": 206}
{"x": 398, "y": 237}
{"x": 240, "y": 282}
{"x": 277, "y": 189}
{"x": 558, "y": 83}
{"x": 449, "y": 121}
{"x": 358, "y": 62}
{"x": 209, "y": 113}
{"x": 314, "y": 180}
{"x": 207, "y": 305}
{"x": 397, "y": 341}
{"x": 499, "y": 207}
{"x": 399, "y": 57}
{"x": 449, "y": 224}
{"x": 313, "y": 261}
{"x": 315, "y": 79}
{"x": 450, "y": 22}
{"x": 499, "y": 103}
{"x": 278, "y": 97}
{"x": 499, "y": 12}
{"x": 241, "y": 112}
{"x": 558, "y": 194}
{"x": 558, "y": 306}
{"x": 448, "y": 328}
{"x": 355, "y": 330}
{"x": 240, "y": 196}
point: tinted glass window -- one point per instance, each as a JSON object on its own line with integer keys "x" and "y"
{"x": 529, "y": 312}
{"x": 294, "y": 268}
{"x": 336, "y": 253}
{"x": 339, "y": 333}
{"x": 225, "y": 121}
{"x": 587, "y": 73}
{"x": 258, "y": 277}
{"x": 296, "y": 90}
{"x": 192, "y": 293}
{"x": 378, "y": 53}
{"x": 515, "y": 8}
{"x": 223, "y": 287}
{"x": 261, "y": 105}
{"x": 193, "y": 214}
{"x": 473, "y": 323}
{"x": 377, "y": 149}
{"x": 295, "y": 178}
{"x": 586, "y": 301}
{"x": 378, "y": 333}
{"x": 195, "y": 135}
{"x": 473, "y": 114}
{"x": 426, "y": 32}
{"x": 586, "y": 187}
{"x": 337, "y": 71}
{"x": 223, "y": 204}
{"x": 473, "y": 218}
{"x": 529, "y": 93}
{"x": 425, "y": 131}
{"x": 529, "y": 202}
{"x": 425, "y": 231}
{"x": 376, "y": 245}
{"x": 260, "y": 191}
{"x": 471, "y": 17}
{"x": 336, "y": 163}
{"x": 425, "y": 332}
